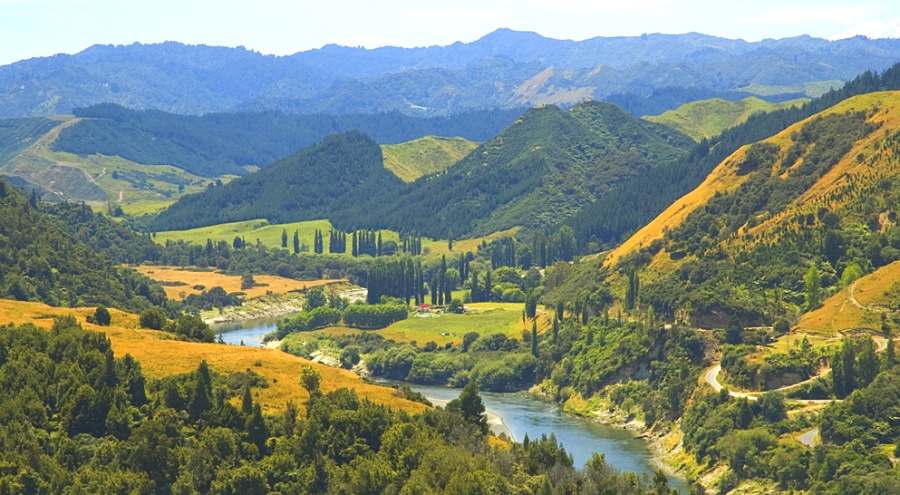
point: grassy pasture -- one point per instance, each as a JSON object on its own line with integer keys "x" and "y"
{"x": 231, "y": 283}
{"x": 424, "y": 156}
{"x": 270, "y": 236}
{"x": 484, "y": 318}
{"x": 708, "y": 118}
{"x": 838, "y": 312}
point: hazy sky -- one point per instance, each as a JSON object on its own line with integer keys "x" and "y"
{"x": 32, "y": 28}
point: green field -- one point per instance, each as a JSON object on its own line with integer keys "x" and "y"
{"x": 483, "y": 318}
{"x": 424, "y": 156}
{"x": 270, "y": 234}
{"x": 708, "y": 118}
{"x": 253, "y": 230}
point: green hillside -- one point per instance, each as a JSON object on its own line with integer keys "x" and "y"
{"x": 41, "y": 260}
{"x": 543, "y": 168}
{"x": 424, "y": 156}
{"x": 707, "y": 118}
{"x": 342, "y": 169}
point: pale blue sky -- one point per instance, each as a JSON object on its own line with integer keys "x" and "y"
{"x": 31, "y": 28}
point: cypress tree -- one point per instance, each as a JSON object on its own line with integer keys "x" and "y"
{"x": 534, "y": 339}
{"x": 202, "y": 399}
{"x": 488, "y": 294}
{"x": 848, "y": 360}
{"x": 474, "y": 289}
{"x": 555, "y": 329}
{"x": 837, "y": 374}
{"x": 355, "y": 248}
{"x": 296, "y": 241}
{"x": 284, "y": 238}
{"x": 890, "y": 358}
{"x": 247, "y": 401}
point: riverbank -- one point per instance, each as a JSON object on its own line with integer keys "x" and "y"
{"x": 273, "y": 306}
{"x": 664, "y": 447}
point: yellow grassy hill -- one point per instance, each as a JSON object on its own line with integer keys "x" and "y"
{"x": 865, "y": 164}
{"x": 160, "y": 355}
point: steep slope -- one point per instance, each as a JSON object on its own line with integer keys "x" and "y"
{"x": 707, "y": 118}
{"x": 819, "y": 194}
{"x": 424, "y": 156}
{"x": 40, "y": 260}
{"x": 607, "y": 222}
{"x": 342, "y": 169}
{"x": 543, "y": 168}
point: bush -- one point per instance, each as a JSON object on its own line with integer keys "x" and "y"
{"x": 191, "y": 327}
{"x": 153, "y": 318}
{"x": 102, "y": 316}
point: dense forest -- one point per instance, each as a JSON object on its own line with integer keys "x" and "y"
{"x": 77, "y": 420}
{"x": 343, "y": 169}
{"x": 546, "y": 166}
{"x": 217, "y": 144}
{"x": 41, "y": 261}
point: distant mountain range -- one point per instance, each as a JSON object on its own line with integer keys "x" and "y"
{"x": 501, "y": 70}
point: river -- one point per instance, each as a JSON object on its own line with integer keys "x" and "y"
{"x": 521, "y": 415}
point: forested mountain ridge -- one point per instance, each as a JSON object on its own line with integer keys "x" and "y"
{"x": 544, "y": 167}
{"x": 816, "y": 198}
{"x": 494, "y": 71}
{"x": 110, "y": 153}
{"x": 344, "y": 168}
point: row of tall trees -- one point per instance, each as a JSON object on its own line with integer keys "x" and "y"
{"x": 367, "y": 242}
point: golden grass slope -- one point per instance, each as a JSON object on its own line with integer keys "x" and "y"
{"x": 424, "y": 156}
{"x": 159, "y": 356}
{"x": 708, "y": 118}
{"x": 856, "y": 306}
{"x": 231, "y": 283}
{"x": 882, "y": 107}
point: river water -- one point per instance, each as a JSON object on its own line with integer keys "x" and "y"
{"x": 521, "y": 415}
